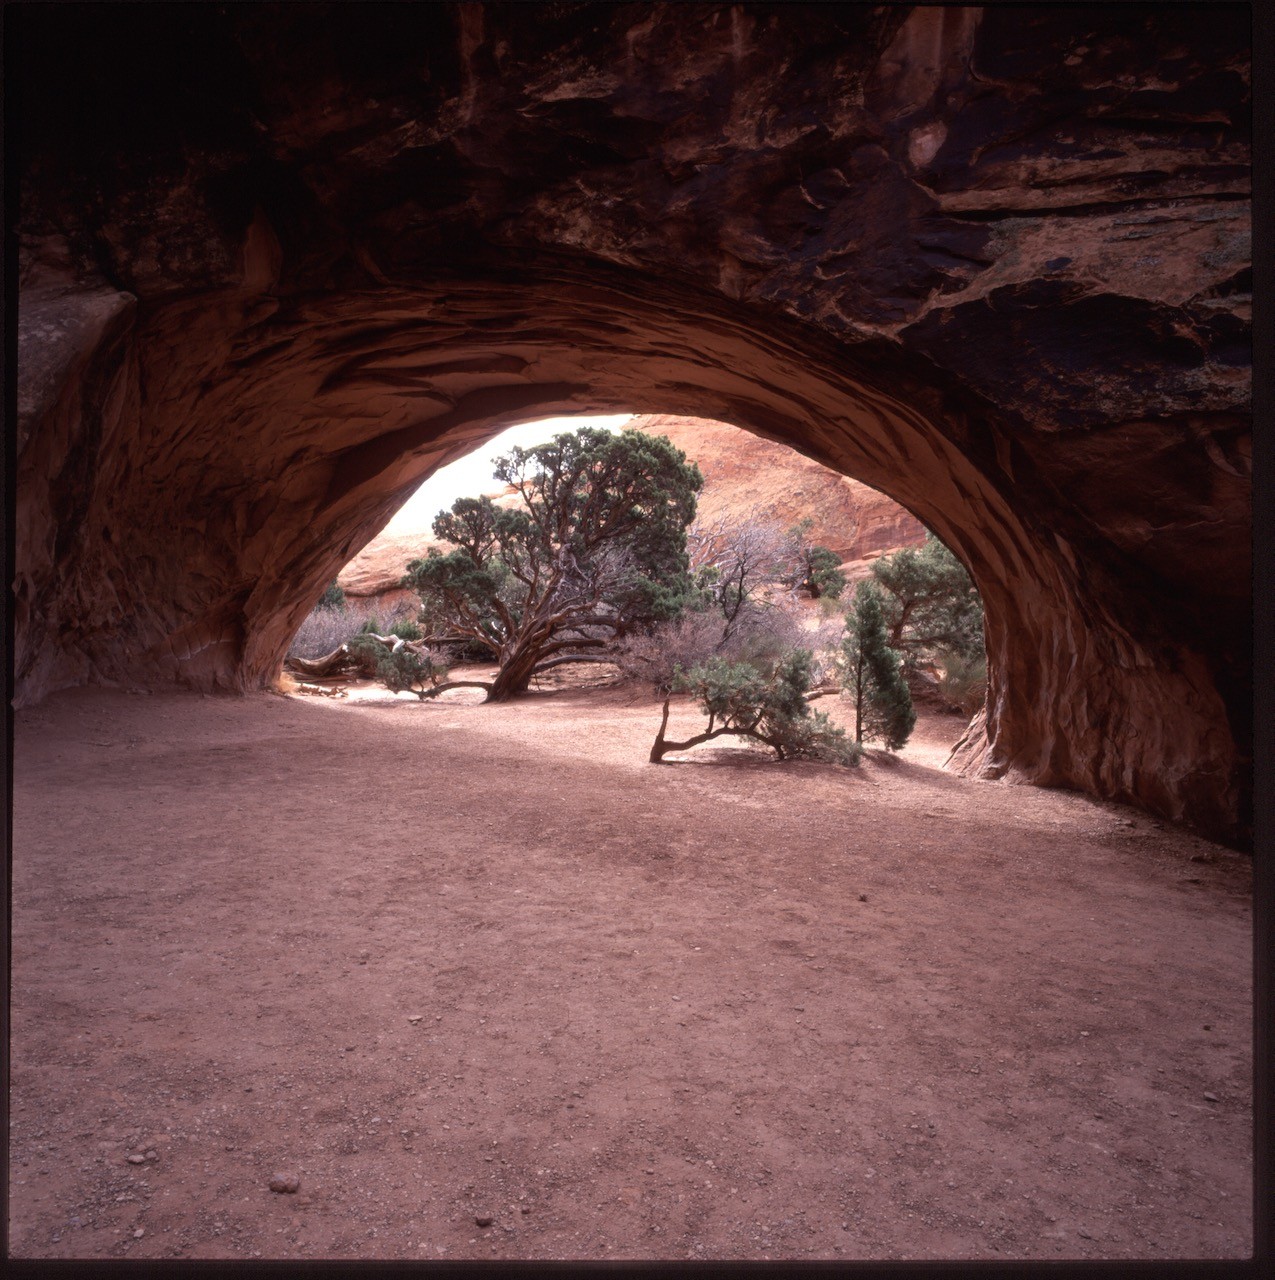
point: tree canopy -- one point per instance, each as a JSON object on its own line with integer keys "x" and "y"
{"x": 930, "y": 605}
{"x": 812, "y": 568}
{"x": 596, "y": 546}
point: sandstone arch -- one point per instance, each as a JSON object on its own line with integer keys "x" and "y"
{"x": 252, "y": 323}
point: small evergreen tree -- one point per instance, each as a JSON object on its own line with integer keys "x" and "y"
{"x": 814, "y": 569}
{"x": 405, "y": 670}
{"x": 366, "y": 651}
{"x": 931, "y": 606}
{"x": 402, "y": 666}
{"x": 872, "y": 677}
{"x": 332, "y": 598}
{"x": 764, "y": 702}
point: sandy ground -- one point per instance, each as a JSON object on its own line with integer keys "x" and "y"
{"x": 491, "y": 986}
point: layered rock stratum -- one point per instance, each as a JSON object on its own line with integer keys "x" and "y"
{"x": 279, "y": 262}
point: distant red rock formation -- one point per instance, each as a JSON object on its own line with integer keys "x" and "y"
{"x": 742, "y": 470}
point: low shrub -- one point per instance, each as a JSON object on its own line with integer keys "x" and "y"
{"x": 367, "y": 651}
{"x": 407, "y": 671}
{"x": 763, "y": 701}
{"x": 327, "y": 626}
{"x": 324, "y": 629}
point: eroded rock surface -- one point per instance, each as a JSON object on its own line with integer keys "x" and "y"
{"x": 279, "y": 262}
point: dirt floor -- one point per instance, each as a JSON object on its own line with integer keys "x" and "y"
{"x": 491, "y": 986}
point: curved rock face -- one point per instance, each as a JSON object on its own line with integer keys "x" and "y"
{"x": 278, "y": 263}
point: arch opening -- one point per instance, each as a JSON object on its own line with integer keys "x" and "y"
{"x": 793, "y": 537}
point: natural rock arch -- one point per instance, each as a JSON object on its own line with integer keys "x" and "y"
{"x": 250, "y": 328}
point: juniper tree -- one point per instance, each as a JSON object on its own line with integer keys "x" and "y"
{"x": 403, "y": 670}
{"x": 765, "y": 702}
{"x": 812, "y": 568}
{"x": 333, "y": 596}
{"x": 596, "y": 546}
{"x": 931, "y": 606}
{"x": 871, "y": 674}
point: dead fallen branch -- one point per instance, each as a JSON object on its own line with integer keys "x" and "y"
{"x": 330, "y": 664}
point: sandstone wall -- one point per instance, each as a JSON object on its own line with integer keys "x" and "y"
{"x": 743, "y": 471}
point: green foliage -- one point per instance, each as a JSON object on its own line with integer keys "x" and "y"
{"x": 741, "y": 696}
{"x": 333, "y": 597}
{"x": 814, "y": 569}
{"x": 590, "y": 489}
{"x": 477, "y": 526}
{"x": 597, "y": 547}
{"x": 460, "y": 597}
{"x": 768, "y": 703}
{"x": 371, "y": 626}
{"x": 367, "y": 651}
{"x": 823, "y": 573}
{"x": 402, "y": 669}
{"x": 931, "y": 606}
{"x": 872, "y": 676}
{"x": 405, "y": 670}
{"x": 815, "y": 737}
{"x": 406, "y": 630}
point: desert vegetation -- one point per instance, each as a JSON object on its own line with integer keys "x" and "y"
{"x": 338, "y": 618}
{"x": 741, "y": 650}
{"x": 767, "y": 702}
{"x": 595, "y": 554}
{"x": 595, "y": 547}
{"x": 934, "y": 622}
{"x": 872, "y": 675}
